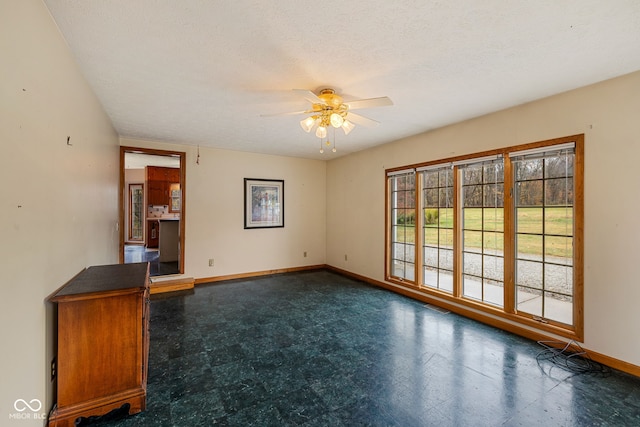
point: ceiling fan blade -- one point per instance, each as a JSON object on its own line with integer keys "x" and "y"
{"x": 309, "y": 96}
{"x": 292, "y": 113}
{"x": 369, "y": 103}
{"x": 361, "y": 120}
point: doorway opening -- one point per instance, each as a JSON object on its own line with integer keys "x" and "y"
{"x": 152, "y": 209}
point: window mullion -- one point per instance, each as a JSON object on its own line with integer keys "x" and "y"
{"x": 509, "y": 238}
{"x": 419, "y": 234}
{"x": 457, "y": 234}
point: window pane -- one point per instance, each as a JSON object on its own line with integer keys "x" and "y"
{"x": 431, "y": 256}
{"x": 408, "y": 217}
{"x": 472, "y": 218}
{"x": 558, "y": 221}
{"x": 493, "y": 195}
{"x": 446, "y": 197}
{"x": 472, "y": 264}
{"x": 446, "y": 259}
{"x": 430, "y": 198}
{"x": 472, "y": 175}
{"x": 558, "y": 192}
{"x": 558, "y": 308}
{"x": 446, "y": 281}
{"x": 397, "y": 251}
{"x": 529, "y": 247}
{"x": 559, "y": 166}
{"x": 445, "y": 217}
{"x": 404, "y": 199}
{"x": 409, "y": 271}
{"x": 399, "y": 234}
{"x": 446, "y": 238}
{"x": 493, "y": 219}
{"x": 493, "y": 172}
{"x": 472, "y": 241}
{"x": 493, "y": 268}
{"x": 493, "y": 243}
{"x": 431, "y": 217}
{"x": 529, "y": 301}
{"x": 430, "y": 277}
{"x": 529, "y": 274}
{"x": 472, "y": 287}
{"x": 559, "y": 250}
{"x": 446, "y": 177}
{"x": 528, "y": 169}
{"x": 398, "y": 269}
{"x": 494, "y": 293}
{"x": 472, "y": 196}
{"x": 558, "y": 279}
{"x": 529, "y": 193}
{"x": 431, "y": 236}
{"x": 430, "y": 179}
{"x": 529, "y": 220}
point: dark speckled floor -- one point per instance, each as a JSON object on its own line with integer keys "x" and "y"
{"x": 139, "y": 253}
{"x": 319, "y": 349}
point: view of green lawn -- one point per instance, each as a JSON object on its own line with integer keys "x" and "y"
{"x": 558, "y": 229}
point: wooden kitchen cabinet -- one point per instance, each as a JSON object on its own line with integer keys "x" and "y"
{"x": 156, "y": 193}
{"x": 159, "y": 180}
{"x": 102, "y": 342}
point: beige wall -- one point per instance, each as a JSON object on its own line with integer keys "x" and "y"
{"x": 58, "y": 205}
{"x": 607, "y": 113}
{"x": 214, "y": 211}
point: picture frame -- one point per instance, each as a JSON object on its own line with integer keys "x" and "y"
{"x": 263, "y": 203}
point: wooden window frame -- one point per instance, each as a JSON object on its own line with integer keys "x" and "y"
{"x": 508, "y": 311}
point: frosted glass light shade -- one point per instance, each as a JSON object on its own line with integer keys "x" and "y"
{"x": 321, "y": 132}
{"x": 307, "y": 124}
{"x": 347, "y": 127}
{"x": 336, "y": 120}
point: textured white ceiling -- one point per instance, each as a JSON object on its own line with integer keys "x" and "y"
{"x": 202, "y": 71}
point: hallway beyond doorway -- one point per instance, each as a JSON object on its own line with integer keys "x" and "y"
{"x": 139, "y": 253}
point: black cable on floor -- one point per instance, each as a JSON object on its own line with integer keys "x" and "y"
{"x": 569, "y": 356}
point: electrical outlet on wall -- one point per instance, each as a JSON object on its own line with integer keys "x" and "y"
{"x": 53, "y": 369}
{"x": 210, "y": 262}
{"x": 304, "y": 254}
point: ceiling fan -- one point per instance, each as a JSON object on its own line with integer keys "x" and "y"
{"x": 329, "y": 109}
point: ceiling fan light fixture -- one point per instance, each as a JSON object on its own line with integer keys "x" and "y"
{"x": 328, "y": 110}
{"x": 321, "y": 132}
{"x": 336, "y": 120}
{"x": 307, "y": 124}
{"x": 347, "y": 127}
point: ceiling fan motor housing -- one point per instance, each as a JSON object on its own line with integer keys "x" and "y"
{"x": 330, "y": 98}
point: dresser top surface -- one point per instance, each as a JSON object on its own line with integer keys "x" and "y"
{"x": 106, "y": 278}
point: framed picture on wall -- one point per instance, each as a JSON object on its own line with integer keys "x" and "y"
{"x": 263, "y": 203}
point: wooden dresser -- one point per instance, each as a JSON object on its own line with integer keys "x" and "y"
{"x": 102, "y": 342}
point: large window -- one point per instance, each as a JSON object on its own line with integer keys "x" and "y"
{"x": 500, "y": 231}
{"x": 437, "y": 224}
{"x": 482, "y": 206}
{"x": 402, "y": 188}
{"x": 544, "y": 242}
